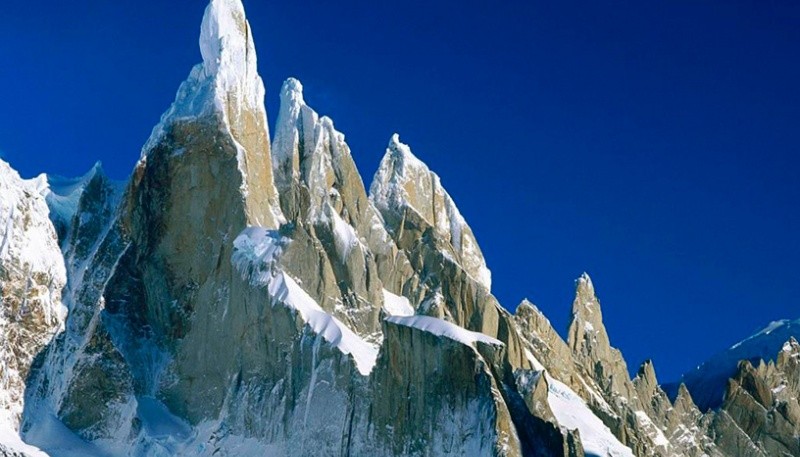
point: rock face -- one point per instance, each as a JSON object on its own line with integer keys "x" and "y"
{"x": 241, "y": 298}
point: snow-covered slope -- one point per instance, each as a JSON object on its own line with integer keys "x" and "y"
{"x": 571, "y": 412}
{"x": 32, "y": 274}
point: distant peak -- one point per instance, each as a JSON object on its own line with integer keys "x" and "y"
{"x": 395, "y": 141}
{"x": 97, "y": 168}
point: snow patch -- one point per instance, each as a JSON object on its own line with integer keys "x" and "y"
{"x": 537, "y": 365}
{"x": 571, "y": 412}
{"x": 443, "y": 328}
{"x": 396, "y": 305}
{"x": 53, "y": 437}
{"x": 651, "y": 429}
{"x": 10, "y": 441}
{"x": 159, "y": 422}
{"x": 345, "y": 237}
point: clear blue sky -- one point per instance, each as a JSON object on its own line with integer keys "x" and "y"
{"x": 653, "y": 144}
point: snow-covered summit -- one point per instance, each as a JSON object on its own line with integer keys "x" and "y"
{"x": 225, "y": 41}
{"x": 227, "y": 82}
{"x": 220, "y": 108}
{"x": 26, "y": 233}
{"x": 292, "y": 92}
{"x": 295, "y": 128}
{"x": 405, "y": 183}
{"x": 64, "y": 194}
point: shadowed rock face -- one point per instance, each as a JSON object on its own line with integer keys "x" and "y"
{"x": 453, "y": 411}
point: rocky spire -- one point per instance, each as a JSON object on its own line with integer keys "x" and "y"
{"x": 227, "y": 91}
{"x": 289, "y": 135}
{"x": 588, "y": 339}
{"x": 790, "y": 350}
{"x": 587, "y": 334}
{"x": 645, "y": 381}
{"x": 345, "y": 243}
{"x": 311, "y": 160}
{"x": 403, "y": 184}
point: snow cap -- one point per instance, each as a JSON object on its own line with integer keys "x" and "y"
{"x": 224, "y": 36}
{"x": 229, "y": 55}
{"x": 292, "y": 92}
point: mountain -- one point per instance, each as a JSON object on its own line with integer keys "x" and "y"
{"x": 707, "y": 382}
{"x": 248, "y": 295}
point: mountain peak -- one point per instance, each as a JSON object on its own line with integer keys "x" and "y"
{"x": 226, "y": 44}
{"x": 584, "y": 287}
{"x": 404, "y": 184}
{"x": 292, "y": 92}
{"x": 227, "y": 82}
{"x": 707, "y": 382}
{"x": 402, "y": 156}
{"x": 647, "y": 372}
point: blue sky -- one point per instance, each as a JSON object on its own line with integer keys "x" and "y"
{"x": 653, "y": 144}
